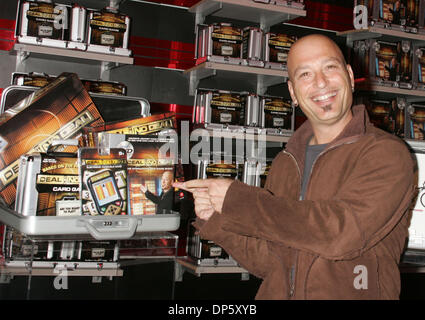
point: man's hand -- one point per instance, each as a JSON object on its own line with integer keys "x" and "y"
{"x": 203, "y": 206}
{"x": 209, "y": 194}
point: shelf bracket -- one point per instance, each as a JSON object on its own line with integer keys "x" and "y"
{"x": 198, "y": 75}
{"x": 178, "y": 272}
{"x": 206, "y": 9}
{"x": 115, "y": 4}
{"x": 21, "y": 57}
{"x": 263, "y": 82}
{"x": 105, "y": 70}
{"x": 5, "y": 278}
{"x": 267, "y": 22}
{"x": 96, "y": 279}
{"x": 245, "y": 276}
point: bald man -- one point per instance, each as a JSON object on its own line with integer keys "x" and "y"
{"x": 164, "y": 201}
{"x": 332, "y": 219}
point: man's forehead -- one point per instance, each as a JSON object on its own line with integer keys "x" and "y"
{"x": 314, "y": 47}
{"x": 323, "y": 60}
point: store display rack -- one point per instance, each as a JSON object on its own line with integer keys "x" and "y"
{"x": 264, "y": 14}
{"x": 384, "y": 34}
{"x": 186, "y": 264}
{"x": 261, "y": 77}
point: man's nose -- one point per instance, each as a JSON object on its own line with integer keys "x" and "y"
{"x": 320, "y": 80}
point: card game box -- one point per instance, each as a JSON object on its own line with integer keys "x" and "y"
{"x": 103, "y": 181}
{"x": 251, "y": 101}
{"x": 100, "y": 251}
{"x": 384, "y": 63}
{"x": 198, "y": 106}
{"x": 159, "y": 245}
{"x": 19, "y": 247}
{"x": 255, "y": 172}
{"x": 48, "y": 185}
{"x": 108, "y": 32}
{"x": 418, "y": 72}
{"x": 78, "y": 26}
{"x": 224, "y": 170}
{"x": 224, "y": 108}
{"x": 105, "y": 87}
{"x": 219, "y": 42}
{"x": 151, "y": 161}
{"x": 386, "y": 114}
{"x": 415, "y": 121}
{"x": 276, "y": 49}
{"x": 42, "y": 23}
{"x": 206, "y": 252}
{"x": 276, "y": 115}
{"x": 252, "y": 46}
{"x": 57, "y": 111}
{"x": 39, "y": 80}
{"x": 250, "y": 172}
{"x": 136, "y": 126}
{"x": 31, "y": 79}
{"x": 403, "y": 15}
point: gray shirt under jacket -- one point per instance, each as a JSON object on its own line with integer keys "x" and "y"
{"x": 312, "y": 152}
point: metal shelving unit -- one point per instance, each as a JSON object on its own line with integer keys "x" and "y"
{"x": 252, "y": 134}
{"x": 380, "y": 32}
{"x": 261, "y": 77}
{"x": 265, "y": 15}
{"x": 106, "y": 62}
{"x": 29, "y": 267}
{"x": 186, "y": 264}
{"x": 27, "y": 49}
{"x": 385, "y": 34}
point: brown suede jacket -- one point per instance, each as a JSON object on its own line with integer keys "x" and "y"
{"x": 344, "y": 241}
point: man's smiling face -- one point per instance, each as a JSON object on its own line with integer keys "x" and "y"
{"x": 320, "y": 81}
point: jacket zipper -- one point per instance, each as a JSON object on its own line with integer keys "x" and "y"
{"x": 293, "y": 270}
{"x": 299, "y": 172}
{"x": 292, "y": 275}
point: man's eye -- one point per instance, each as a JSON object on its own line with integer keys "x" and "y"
{"x": 331, "y": 67}
{"x": 304, "y": 75}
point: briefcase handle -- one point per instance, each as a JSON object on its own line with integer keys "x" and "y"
{"x": 62, "y": 142}
{"x": 110, "y": 228}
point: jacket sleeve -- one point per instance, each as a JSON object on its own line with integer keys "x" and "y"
{"x": 371, "y": 202}
{"x": 152, "y": 197}
{"x": 254, "y": 255}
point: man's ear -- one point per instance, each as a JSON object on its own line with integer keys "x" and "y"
{"x": 292, "y": 93}
{"x": 351, "y": 74}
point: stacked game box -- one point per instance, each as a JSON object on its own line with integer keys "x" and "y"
{"x": 57, "y": 111}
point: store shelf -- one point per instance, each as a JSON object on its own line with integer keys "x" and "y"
{"x": 412, "y": 269}
{"x": 188, "y": 265}
{"x": 252, "y": 134}
{"x": 264, "y": 14}
{"x": 38, "y": 50}
{"x": 262, "y": 77}
{"x": 393, "y": 91}
{"x": 54, "y": 269}
{"x": 381, "y": 32}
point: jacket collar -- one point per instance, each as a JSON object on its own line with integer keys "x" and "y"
{"x": 352, "y": 131}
